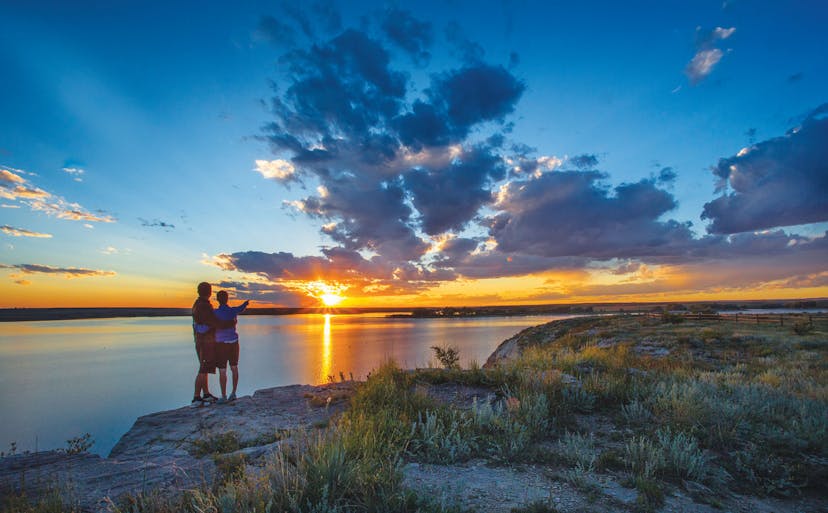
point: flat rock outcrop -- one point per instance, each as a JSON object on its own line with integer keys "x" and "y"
{"x": 157, "y": 453}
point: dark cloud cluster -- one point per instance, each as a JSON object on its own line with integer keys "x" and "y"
{"x": 389, "y": 169}
{"x": 569, "y": 213}
{"x": 466, "y": 184}
{"x": 409, "y": 33}
{"x": 778, "y": 182}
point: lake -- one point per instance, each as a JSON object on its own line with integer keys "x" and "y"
{"x": 60, "y": 379}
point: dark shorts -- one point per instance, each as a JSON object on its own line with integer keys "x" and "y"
{"x": 205, "y": 345}
{"x": 227, "y": 353}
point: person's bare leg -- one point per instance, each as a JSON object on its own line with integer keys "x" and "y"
{"x": 205, "y": 388}
{"x": 197, "y": 386}
{"x": 235, "y": 369}
{"x": 223, "y": 381}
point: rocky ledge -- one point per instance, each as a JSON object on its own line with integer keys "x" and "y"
{"x": 161, "y": 450}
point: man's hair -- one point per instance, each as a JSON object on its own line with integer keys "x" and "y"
{"x": 222, "y": 296}
{"x": 204, "y": 289}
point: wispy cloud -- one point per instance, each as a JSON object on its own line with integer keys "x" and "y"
{"x": 13, "y": 186}
{"x": 707, "y": 54}
{"x": 67, "y": 272}
{"x": 156, "y": 223}
{"x": 75, "y": 172}
{"x": 20, "y": 232}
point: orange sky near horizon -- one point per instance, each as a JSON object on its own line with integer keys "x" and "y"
{"x": 665, "y": 285}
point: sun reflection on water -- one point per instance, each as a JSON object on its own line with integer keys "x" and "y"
{"x": 327, "y": 360}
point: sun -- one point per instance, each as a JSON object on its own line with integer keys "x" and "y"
{"x": 331, "y": 299}
{"x": 330, "y": 294}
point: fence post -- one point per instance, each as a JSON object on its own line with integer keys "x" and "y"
{"x": 757, "y": 318}
{"x": 781, "y": 320}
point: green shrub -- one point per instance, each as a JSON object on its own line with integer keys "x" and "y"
{"x": 448, "y": 356}
{"x": 217, "y": 443}
{"x": 802, "y": 328}
{"x": 230, "y": 467}
{"x": 79, "y": 444}
{"x": 671, "y": 318}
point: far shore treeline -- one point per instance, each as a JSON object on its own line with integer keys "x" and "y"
{"x": 49, "y": 314}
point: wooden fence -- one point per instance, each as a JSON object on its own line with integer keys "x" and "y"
{"x": 780, "y": 319}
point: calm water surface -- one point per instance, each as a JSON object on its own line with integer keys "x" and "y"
{"x": 60, "y": 379}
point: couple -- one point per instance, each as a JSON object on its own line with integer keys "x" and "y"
{"x": 216, "y": 343}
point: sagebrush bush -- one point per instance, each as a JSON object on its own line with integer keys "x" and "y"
{"x": 643, "y": 457}
{"x": 682, "y": 457}
{"x": 578, "y": 450}
{"x": 636, "y": 413}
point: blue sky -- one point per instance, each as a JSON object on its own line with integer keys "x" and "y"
{"x": 141, "y": 125}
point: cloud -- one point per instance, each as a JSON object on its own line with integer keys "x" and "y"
{"x": 702, "y": 64}
{"x": 9, "y": 177}
{"x": 20, "y": 232}
{"x": 271, "y": 293}
{"x": 782, "y": 181}
{"x": 274, "y": 31}
{"x": 386, "y": 169}
{"x": 584, "y": 161}
{"x": 6, "y": 205}
{"x": 20, "y": 191}
{"x": 156, "y": 223}
{"x": 288, "y": 273}
{"x": 367, "y": 216}
{"x": 417, "y": 185}
{"x": 279, "y": 170}
{"x": 14, "y": 187}
{"x": 707, "y": 54}
{"x": 408, "y": 33}
{"x": 666, "y": 175}
{"x": 459, "y": 100}
{"x": 469, "y": 51}
{"x": 62, "y": 209}
{"x": 67, "y": 272}
{"x": 75, "y": 172}
{"x": 466, "y": 180}
{"x": 568, "y": 213}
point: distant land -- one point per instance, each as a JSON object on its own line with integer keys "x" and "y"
{"x": 54, "y": 314}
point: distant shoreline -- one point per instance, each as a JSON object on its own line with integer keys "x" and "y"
{"x": 63, "y": 314}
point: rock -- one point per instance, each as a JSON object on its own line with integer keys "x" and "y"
{"x": 157, "y": 452}
{"x": 480, "y": 488}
